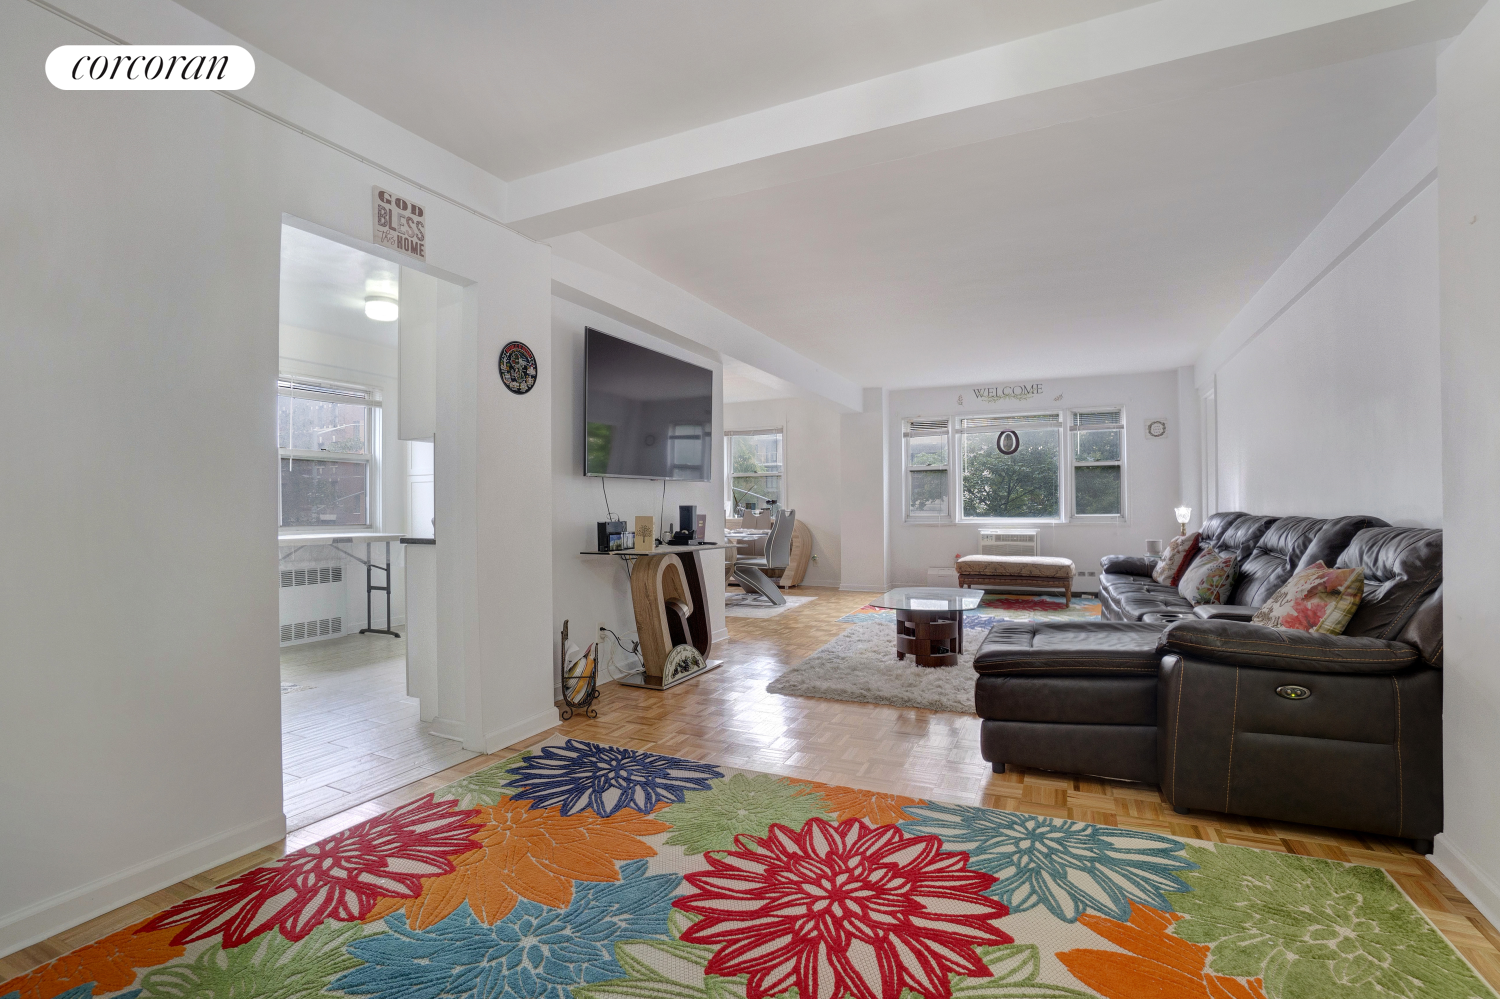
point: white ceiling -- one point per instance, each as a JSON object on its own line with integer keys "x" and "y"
{"x": 324, "y": 284}
{"x": 521, "y": 86}
{"x": 1117, "y": 225}
{"x": 1119, "y": 243}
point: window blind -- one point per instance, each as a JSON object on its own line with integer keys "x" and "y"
{"x": 926, "y": 428}
{"x": 321, "y": 393}
{"x": 1031, "y": 421}
{"x": 1097, "y": 419}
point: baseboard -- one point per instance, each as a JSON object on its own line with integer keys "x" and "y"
{"x": 721, "y": 635}
{"x": 51, "y": 916}
{"x": 1477, "y": 886}
{"x": 520, "y": 731}
{"x": 447, "y": 728}
{"x": 864, "y": 587}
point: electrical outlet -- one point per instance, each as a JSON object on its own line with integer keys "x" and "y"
{"x": 603, "y": 635}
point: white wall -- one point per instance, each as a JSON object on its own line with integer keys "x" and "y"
{"x": 589, "y": 590}
{"x": 864, "y": 514}
{"x": 1333, "y": 409}
{"x": 1151, "y": 474}
{"x": 1468, "y": 851}
{"x": 140, "y": 347}
{"x": 811, "y": 478}
{"x": 1327, "y": 384}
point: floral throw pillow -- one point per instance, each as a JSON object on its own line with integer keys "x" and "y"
{"x": 1177, "y": 557}
{"x": 1315, "y": 599}
{"x": 1209, "y": 579}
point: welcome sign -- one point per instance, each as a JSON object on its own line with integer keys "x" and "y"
{"x": 1009, "y": 393}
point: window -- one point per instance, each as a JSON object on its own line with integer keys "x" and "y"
{"x": 325, "y": 435}
{"x": 1098, "y": 445}
{"x": 1026, "y": 485}
{"x": 755, "y": 462}
{"x": 685, "y": 450}
{"x": 956, "y": 472}
{"x": 926, "y": 469}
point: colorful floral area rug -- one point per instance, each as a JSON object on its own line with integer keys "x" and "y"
{"x": 1002, "y": 607}
{"x": 578, "y": 870}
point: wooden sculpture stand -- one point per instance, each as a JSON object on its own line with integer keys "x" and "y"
{"x": 670, "y": 609}
{"x": 932, "y": 638}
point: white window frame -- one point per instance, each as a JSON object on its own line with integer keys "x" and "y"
{"x": 968, "y": 425}
{"x": 920, "y": 429}
{"x": 1067, "y": 505}
{"x": 729, "y": 436}
{"x": 1073, "y": 428}
{"x": 297, "y": 387}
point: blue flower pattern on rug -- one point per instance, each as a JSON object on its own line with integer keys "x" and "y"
{"x": 1068, "y": 867}
{"x": 604, "y": 779}
{"x": 535, "y": 952}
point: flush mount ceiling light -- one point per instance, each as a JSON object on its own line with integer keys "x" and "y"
{"x": 382, "y": 309}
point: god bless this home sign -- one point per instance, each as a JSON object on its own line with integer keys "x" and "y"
{"x": 400, "y": 224}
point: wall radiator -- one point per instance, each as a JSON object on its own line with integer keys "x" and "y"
{"x": 1009, "y": 542}
{"x": 313, "y": 601}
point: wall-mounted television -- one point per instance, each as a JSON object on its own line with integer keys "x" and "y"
{"x": 645, "y": 415}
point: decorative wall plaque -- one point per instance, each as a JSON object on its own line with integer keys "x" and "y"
{"x": 1156, "y": 428}
{"x": 400, "y": 224}
{"x": 517, "y": 367}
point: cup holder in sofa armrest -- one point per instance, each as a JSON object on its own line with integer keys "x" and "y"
{"x": 1225, "y": 612}
{"x": 1165, "y": 617}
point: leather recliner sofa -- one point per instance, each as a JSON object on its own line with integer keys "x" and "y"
{"x": 1229, "y": 716}
{"x": 1268, "y": 549}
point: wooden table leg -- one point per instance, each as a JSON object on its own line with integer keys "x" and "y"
{"x": 932, "y": 638}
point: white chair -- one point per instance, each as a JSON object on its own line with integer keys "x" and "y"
{"x": 759, "y": 575}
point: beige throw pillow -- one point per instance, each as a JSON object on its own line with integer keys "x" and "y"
{"x": 1178, "y": 556}
{"x": 1209, "y": 579}
{"x": 1316, "y": 599}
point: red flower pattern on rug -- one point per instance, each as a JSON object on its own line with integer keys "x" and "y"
{"x": 846, "y": 909}
{"x": 341, "y": 877}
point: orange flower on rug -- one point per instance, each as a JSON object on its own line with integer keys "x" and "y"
{"x": 531, "y": 853}
{"x": 107, "y": 964}
{"x": 1158, "y": 965}
{"x": 877, "y": 807}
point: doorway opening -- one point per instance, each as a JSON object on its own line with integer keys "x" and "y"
{"x": 356, "y": 423}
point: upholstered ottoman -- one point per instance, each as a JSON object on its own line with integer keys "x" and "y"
{"x": 1035, "y": 571}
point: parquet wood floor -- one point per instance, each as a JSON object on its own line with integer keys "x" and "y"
{"x": 726, "y": 717}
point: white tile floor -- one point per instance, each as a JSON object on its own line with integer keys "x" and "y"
{"x": 349, "y": 733}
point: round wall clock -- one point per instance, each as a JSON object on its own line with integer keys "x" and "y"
{"x": 517, "y": 367}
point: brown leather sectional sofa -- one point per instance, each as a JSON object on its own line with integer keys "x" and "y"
{"x": 1228, "y": 716}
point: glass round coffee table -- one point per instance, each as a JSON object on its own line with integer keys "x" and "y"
{"x": 929, "y": 621}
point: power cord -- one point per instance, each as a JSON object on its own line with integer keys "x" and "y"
{"x": 634, "y": 649}
{"x": 607, "y": 511}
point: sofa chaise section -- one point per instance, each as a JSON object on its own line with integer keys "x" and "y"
{"x": 1076, "y": 696}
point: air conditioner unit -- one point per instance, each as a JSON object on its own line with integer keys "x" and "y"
{"x": 1012, "y": 542}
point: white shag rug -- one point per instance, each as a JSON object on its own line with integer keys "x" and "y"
{"x": 755, "y": 605}
{"x": 861, "y": 665}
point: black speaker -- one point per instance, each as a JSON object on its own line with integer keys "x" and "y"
{"x": 611, "y": 535}
{"x": 687, "y": 518}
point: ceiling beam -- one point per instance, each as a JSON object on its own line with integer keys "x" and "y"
{"x": 1146, "y": 55}
{"x": 589, "y": 274}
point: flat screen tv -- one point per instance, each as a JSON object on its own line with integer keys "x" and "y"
{"x": 645, "y": 415}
